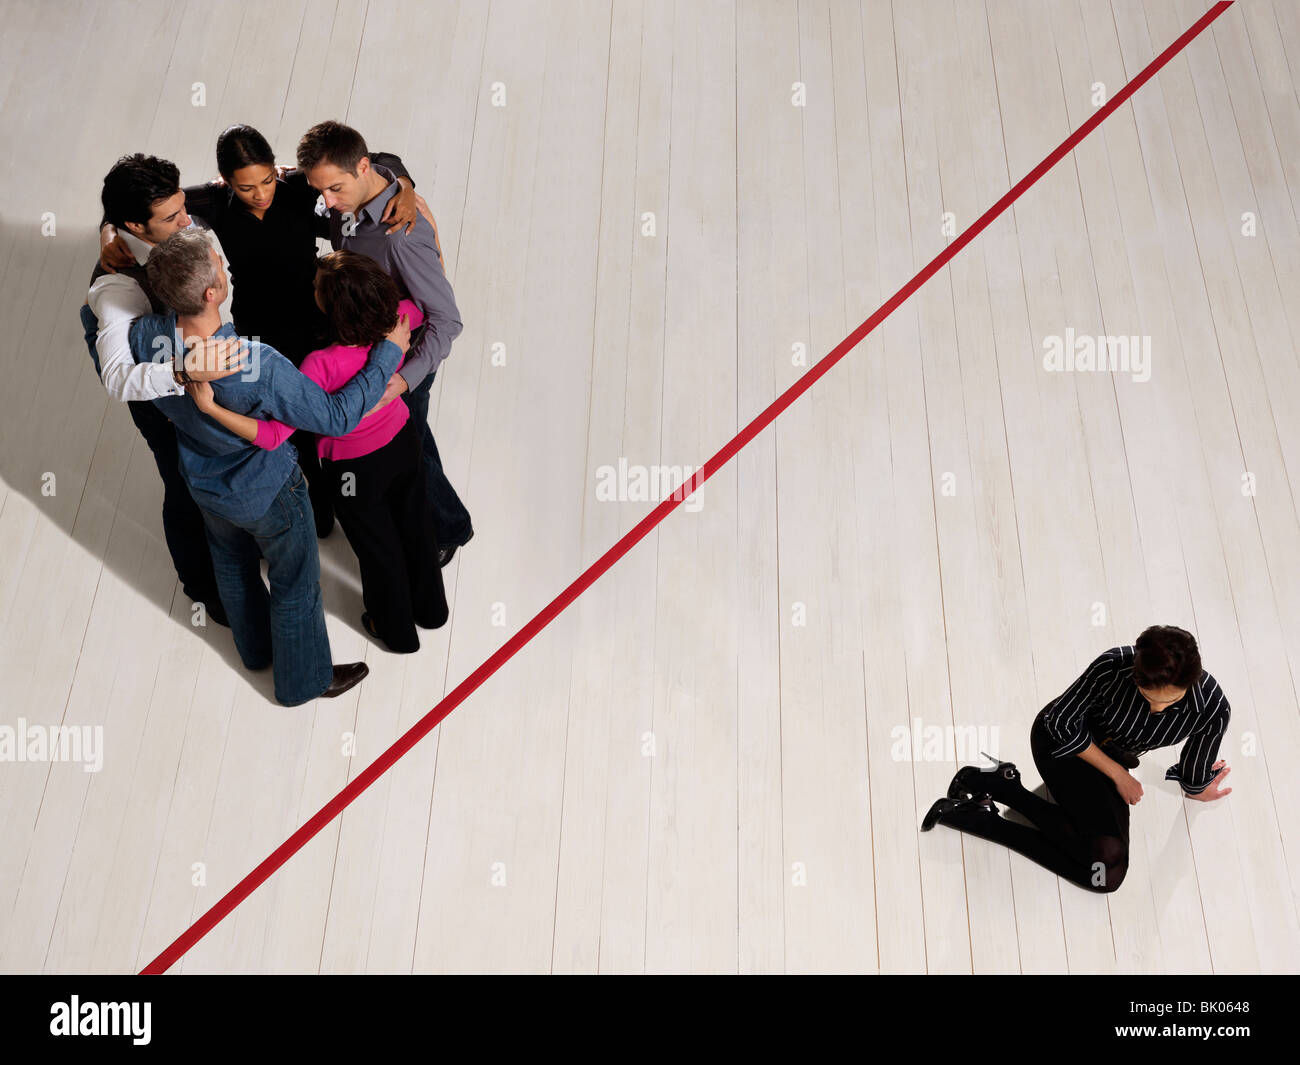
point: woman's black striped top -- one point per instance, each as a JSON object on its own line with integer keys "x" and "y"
{"x": 1105, "y": 702}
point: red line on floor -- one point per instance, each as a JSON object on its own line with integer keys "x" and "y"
{"x": 426, "y": 724}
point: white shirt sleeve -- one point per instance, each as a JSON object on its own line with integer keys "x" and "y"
{"x": 117, "y": 301}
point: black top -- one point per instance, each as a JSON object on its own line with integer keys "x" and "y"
{"x": 273, "y": 259}
{"x": 1105, "y": 702}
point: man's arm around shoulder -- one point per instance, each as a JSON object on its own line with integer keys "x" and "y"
{"x": 291, "y": 397}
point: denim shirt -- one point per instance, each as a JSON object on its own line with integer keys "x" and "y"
{"x": 227, "y": 474}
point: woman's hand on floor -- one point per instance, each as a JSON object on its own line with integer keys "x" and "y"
{"x": 1216, "y": 790}
{"x": 1130, "y": 790}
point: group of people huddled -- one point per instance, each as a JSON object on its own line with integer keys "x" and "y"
{"x": 279, "y": 389}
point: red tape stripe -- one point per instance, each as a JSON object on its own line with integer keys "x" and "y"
{"x": 426, "y": 724}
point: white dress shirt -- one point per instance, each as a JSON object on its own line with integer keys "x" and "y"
{"x": 117, "y": 300}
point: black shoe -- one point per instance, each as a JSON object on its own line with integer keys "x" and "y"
{"x": 368, "y": 623}
{"x": 971, "y": 781}
{"x": 445, "y": 554}
{"x": 346, "y": 677}
{"x": 946, "y": 807}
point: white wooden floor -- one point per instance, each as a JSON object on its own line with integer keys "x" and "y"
{"x": 694, "y": 767}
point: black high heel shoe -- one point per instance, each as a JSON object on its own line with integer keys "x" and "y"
{"x": 966, "y": 783}
{"x": 980, "y": 804}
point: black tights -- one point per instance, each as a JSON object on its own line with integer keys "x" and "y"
{"x": 1083, "y": 836}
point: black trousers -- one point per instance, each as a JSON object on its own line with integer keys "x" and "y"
{"x": 385, "y": 513}
{"x": 183, "y": 526}
{"x": 450, "y": 518}
{"x": 1082, "y": 836}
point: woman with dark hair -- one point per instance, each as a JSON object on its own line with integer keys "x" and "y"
{"x": 265, "y": 217}
{"x": 1129, "y": 701}
{"x": 376, "y": 471}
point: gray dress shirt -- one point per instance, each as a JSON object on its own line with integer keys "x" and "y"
{"x": 412, "y": 260}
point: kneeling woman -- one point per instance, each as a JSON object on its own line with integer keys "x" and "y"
{"x": 375, "y": 472}
{"x": 1129, "y": 701}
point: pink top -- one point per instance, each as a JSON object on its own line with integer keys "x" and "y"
{"x": 332, "y": 368}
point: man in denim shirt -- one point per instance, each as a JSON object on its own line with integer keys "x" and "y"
{"x": 254, "y": 502}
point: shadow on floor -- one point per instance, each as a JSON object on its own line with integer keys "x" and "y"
{"x": 75, "y": 454}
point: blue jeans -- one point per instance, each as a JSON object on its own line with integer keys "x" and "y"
{"x": 451, "y": 520}
{"x": 286, "y": 628}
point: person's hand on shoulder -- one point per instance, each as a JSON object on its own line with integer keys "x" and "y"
{"x": 401, "y": 211}
{"x": 215, "y": 358}
{"x": 114, "y": 255}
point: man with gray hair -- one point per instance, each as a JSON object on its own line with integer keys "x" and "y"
{"x": 254, "y": 501}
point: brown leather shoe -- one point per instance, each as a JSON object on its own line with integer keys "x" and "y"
{"x": 345, "y": 677}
